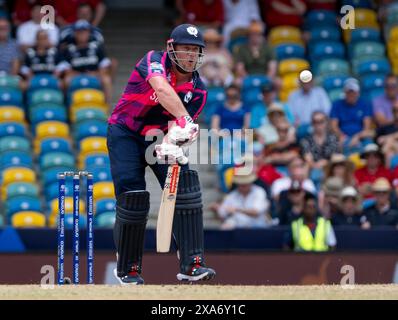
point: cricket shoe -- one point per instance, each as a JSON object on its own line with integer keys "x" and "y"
{"x": 132, "y": 278}
{"x": 198, "y": 271}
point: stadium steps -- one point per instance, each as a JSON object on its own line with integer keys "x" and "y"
{"x": 129, "y": 34}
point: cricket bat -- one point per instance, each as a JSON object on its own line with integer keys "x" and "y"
{"x": 164, "y": 225}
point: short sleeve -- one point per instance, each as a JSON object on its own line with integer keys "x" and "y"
{"x": 151, "y": 65}
{"x": 368, "y": 111}
{"x": 334, "y": 114}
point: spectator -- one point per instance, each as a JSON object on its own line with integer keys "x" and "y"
{"x": 42, "y": 58}
{"x": 291, "y": 203}
{"x": 232, "y": 114}
{"x": 387, "y": 136}
{"x": 284, "y": 12}
{"x": 284, "y": 150}
{"x": 382, "y": 105}
{"x": 319, "y": 146}
{"x": 381, "y": 213}
{"x": 267, "y": 133}
{"x": 259, "y": 111}
{"x": 245, "y": 207}
{"x": 373, "y": 170}
{"x": 67, "y": 11}
{"x": 22, "y": 10}
{"x": 9, "y": 52}
{"x": 350, "y": 213}
{"x": 84, "y": 12}
{"x": 297, "y": 170}
{"x": 311, "y": 232}
{"x": 329, "y": 197}
{"x": 352, "y": 118}
{"x": 26, "y": 32}
{"x": 340, "y": 166}
{"x": 86, "y": 57}
{"x": 218, "y": 63}
{"x": 255, "y": 57}
{"x": 202, "y": 13}
{"x": 304, "y": 101}
{"x": 238, "y": 15}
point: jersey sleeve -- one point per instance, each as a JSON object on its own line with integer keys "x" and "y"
{"x": 151, "y": 65}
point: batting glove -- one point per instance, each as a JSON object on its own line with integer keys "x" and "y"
{"x": 184, "y": 133}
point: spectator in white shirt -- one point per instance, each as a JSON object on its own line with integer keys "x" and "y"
{"x": 298, "y": 170}
{"x": 238, "y": 15}
{"x": 304, "y": 101}
{"x": 246, "y": 206}
{"x": 26, "y": 32}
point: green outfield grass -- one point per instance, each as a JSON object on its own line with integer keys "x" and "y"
{"x": 198, "y": 292}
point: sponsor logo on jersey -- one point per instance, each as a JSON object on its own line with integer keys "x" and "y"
{"x": 188, "y": 97}
{"x": 156, "y": 67}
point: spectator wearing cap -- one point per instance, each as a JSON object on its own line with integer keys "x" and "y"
{"x": 259, "y": 110}
{"x": 218, "y": 63}
{"x": 232, "y": 115}
{"x": 329, "y": 196}
{"x": 304, "y": 101}
{"x": 256, "y": 56}
{"x": 387, "y": 136}
{"x": 311, "y": 232}
{"x": 340, "y": 166}
{"x": 40, "y": 59}
{"x": 350, "y": 209}
{"x": 86, "y": 57}
{"x": 246, "y": 206}
{"x": 373, "y": 170}
{"x": 67, "y": 33}
{"x": 67, "y": 11}
{"x": 202, "y": 13}
{"x": 352, "y": 118}
{"x": 297, "y": 170}
{"x": 381, "y": 213}
{"x": 27, "y": 31}
{"x": 383, "y": 104}
{"x": 238, "y": 14}
{"x": 284, "y": 150}
{"x": 291, "y": 203}
{"x": 318, "y": 147}
{"x": 284, "y": 12}
{"x": 267, "y": 133}
{"x": 9, "y": 51}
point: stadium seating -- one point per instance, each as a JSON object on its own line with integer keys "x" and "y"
{"x": 14, "y": 143}
{"x": 11, "y": 97}
{"x": 20, "y": 189}
{"x": 11, "y": 114}
{"x": 28, "y": 219}
{"x": 9, "y": 81}
{"x": 22, "y": 203}
{"x": 16, "y": 159}
{"x": 103, "y": 190}
{"x": 105, "y": 220}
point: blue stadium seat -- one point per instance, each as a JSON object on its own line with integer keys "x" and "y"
{"x": 329, "y": 67}
{"x": 381, "y": 66}
{"x": 364, "y": 34}
{"x": 317, "y": 18}
{"x": 69, "y": 221}
{"x": 333, "y": 82}
{"x": 49, "y": 176}
{"x": 22, "y": 203}
{"x": 370, "y": 49}
{"x": 324, "y": 33}
{"x": 215, "y": 95}
{"x": 97, "y": 160}
{"x": 44, "y": 81}
{"x": 327, "y": 50}
{"x": 287, "y": 51}
{"x": 255, "y": 81}
{"x": 90, "y": 128}
{"x": 55, "y": 145}
{"x": 252, "y": 96}
{"x": 336, "y": 94}
{"x": 394, "y": 162}
{"x": 105, "y": 205}
{"x": 372, "y": 81}
{"x": 47, "y": 113}
{"x": 56, "y": 159}
{"x": 11, "y": 97}
{"x": 100, "y": 173}
{"x": 9, "y": 81}
{"x": 12, "y": 129}
{"x": 357, "y": 3}
{"x": 84, "y": 114}
{"x": 16, "y": 159}
{"x": 51, "y": 191}
{"x": 17, "y": 189}
{"x": 46, "y": 97}
{"x": 14, "y": 143}
{"x": 84, "y": 82}
{"x": 105, "y": 220}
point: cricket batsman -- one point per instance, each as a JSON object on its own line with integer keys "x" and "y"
{"x": 164, "y": 92}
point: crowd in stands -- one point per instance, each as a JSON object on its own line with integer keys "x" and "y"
{"x": 55, "y": 90}
{"x": 325, "y": 149}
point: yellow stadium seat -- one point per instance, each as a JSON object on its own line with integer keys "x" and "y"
{"x": 68, "y": 206}
{"x": 292, "y": 66}
{"x": 284, "y": 95}
{"x": 53, "y": 129}
{"x": 93, "y": 144}
{"x": 103, "y": 190}
{"x": 284, "y": 34}
{"x": 28, "y": 219}
{"x": 393, "y": 35}
{"x": 11, "y": 114}
{"x": 365, "y": 18}
{"x": 17, "y": 174}
{"x": 290, "y": 81}
{"x": 88, "y": 97}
